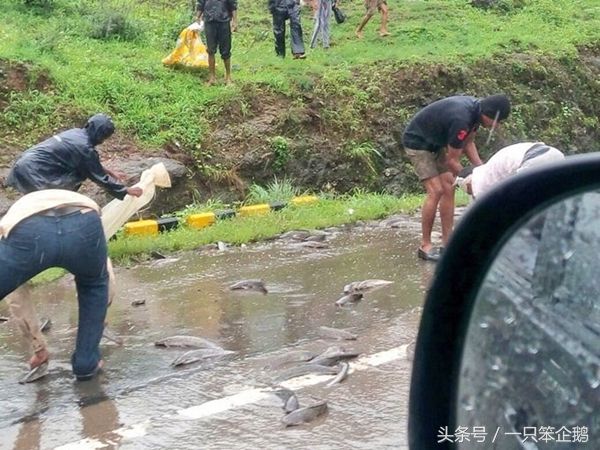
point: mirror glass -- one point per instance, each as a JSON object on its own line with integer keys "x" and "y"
{"x": 530, "y": 371}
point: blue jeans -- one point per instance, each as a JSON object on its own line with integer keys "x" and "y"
{"x": 76, "y": 243}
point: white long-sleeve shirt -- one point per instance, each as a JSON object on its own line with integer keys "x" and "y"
{"x": 509, "y": 161}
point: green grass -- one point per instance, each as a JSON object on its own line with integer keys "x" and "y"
{"x": 48, "y": 275}
{"x": 277, "y": 190}
{"x": 123, "y": 74}
{"x": 239, "y": 230}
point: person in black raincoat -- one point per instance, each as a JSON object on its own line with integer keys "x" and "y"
{"x": 66, "y": 160}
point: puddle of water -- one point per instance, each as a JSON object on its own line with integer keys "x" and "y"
{"x": 191, "y": 296}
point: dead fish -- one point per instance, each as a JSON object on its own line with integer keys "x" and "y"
{"x": 333, "y": 355}
{"x": 4, "y": 319}
{"x": 313, "y": 244}
{"x": 349, "y": 298}
{"x": 163, "y": 262}
{"x": 290, "y": 401}
{"x": 293, "y": 356}
{"x": 305, "y": 415}
{"x": 186, "y": 341}
{"x": 138, "y": 302}
{"x": 35, "y": 374}
{"x": 197, "y": 355}
{"x": 249, "y": 285}
{"x": 157, "y": 255}
{"x": 297, "y": 235}
{"x": 305, "y": 369}
{"x": 221, "y": 246}
{"x": 336, "y": 333}
{"x": 344, "y": 367}
{"x": 108, "y": 334}
{"x": 291, "y": 404}
{"x": 393, "y": 223}
{"x": 365, "y": 286}
{"x": 315, "y": 238}
{"x": 46, "y": 324}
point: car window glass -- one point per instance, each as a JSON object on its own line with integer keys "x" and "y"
{"x": 530, "y": 369}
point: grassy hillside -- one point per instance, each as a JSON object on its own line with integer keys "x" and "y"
{"x": 106, "y": 56}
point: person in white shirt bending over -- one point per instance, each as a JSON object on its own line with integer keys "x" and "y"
{"x": 504, "y": 163}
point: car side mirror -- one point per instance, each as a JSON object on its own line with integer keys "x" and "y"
{"x": 508, "y": 351}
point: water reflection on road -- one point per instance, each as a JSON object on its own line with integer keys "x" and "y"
{"x": 137, "y": 401}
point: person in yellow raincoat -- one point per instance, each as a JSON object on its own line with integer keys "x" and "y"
{"x": 189, "y": 51}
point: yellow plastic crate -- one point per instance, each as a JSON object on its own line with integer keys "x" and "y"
{"x": 141, "y": 227}
{"x": 304, "y": 199}
{"x": 201, "y": 220}
{"x": 254, "y": 210}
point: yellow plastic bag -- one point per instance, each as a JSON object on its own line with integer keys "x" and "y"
{"x": 190, "y": 50}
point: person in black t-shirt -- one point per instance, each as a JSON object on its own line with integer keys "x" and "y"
{"x": 434, "y": 140}
{"x": 220, "y": 19}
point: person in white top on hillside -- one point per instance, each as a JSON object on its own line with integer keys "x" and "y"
{"x": 504, "y": 163}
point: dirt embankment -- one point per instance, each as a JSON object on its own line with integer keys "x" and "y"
{"x": 340, "y": 135}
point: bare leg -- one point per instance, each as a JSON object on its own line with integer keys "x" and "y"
{"x": 447, "y": 206}
{"x": 23, "y": 311}
{"x": 227, "y": 64}
{"x": 212, "y": 78}
{"x": 434, "y": 190}
{"x": 363, "y": 22}
{"x": 384, "y": 20}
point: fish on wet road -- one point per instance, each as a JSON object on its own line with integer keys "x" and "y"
{"x": 198, "y": 355}
{"x": 336, "y": 333}
{"x": 289, "y": 399}
{"x": 305, "y": 369}
{"x": 186, "y": 341}
{"x": 111, "y": 336}
{"x": 164, "y": 261}
{"x": 349, "y": 298}
{"x": 296, "y": 235}
{"x": 46, "y": 324}
{"x": 344, "y": 367}
{"x": 305, "y": 235}
{"x": 249, "y": 285}
{"x": 293, "y": 356}
{"x": 313, "y": 244}
{"x": 333, "y": 355}
{"x": 362, "y": 287}
{"x": 305, "y": 414}
{"x": 138, "y": 302}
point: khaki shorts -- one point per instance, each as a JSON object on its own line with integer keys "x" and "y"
{"x": 373, "y": 5}
{"x": 427, "y": 164}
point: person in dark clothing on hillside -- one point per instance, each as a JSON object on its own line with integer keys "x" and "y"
{"x": 220, "y": 19}
{"x": 66, "y": 160}
{"x": 434, "y": 140}
{"x": 281, "y": 10}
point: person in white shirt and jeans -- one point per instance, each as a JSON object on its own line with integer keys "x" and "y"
{"x": 59, "y": 228}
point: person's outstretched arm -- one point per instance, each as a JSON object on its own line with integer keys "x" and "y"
{"x": 93, "y": 169}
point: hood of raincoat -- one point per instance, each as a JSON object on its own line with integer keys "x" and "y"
{"x": 99, "y": 128}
